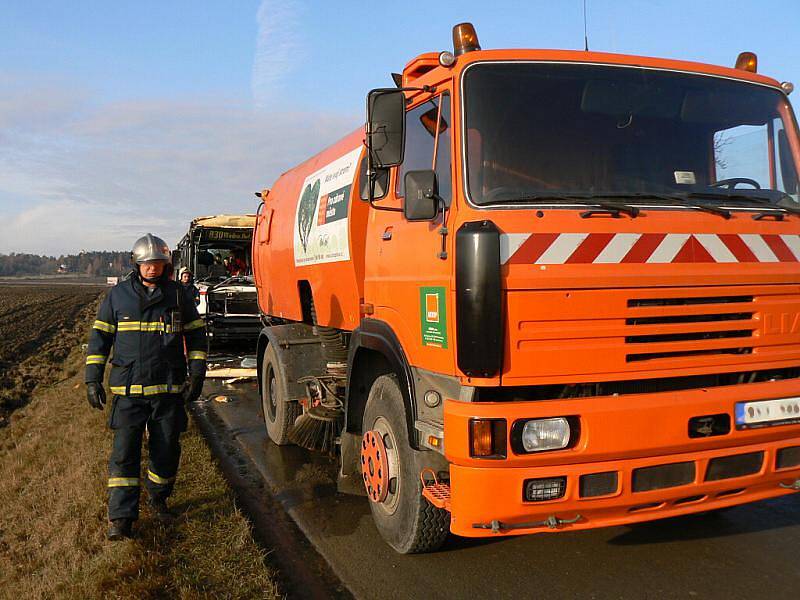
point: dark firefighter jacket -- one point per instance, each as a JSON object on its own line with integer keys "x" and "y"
{"x": 147, "y": 332}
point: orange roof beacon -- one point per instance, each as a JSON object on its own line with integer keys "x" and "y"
{"x": 542, "y": 291}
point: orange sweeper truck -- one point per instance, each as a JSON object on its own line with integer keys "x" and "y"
{"x": 542, "y": 291}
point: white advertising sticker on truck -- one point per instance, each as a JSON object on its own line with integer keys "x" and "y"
{"x": 320, "y": 224}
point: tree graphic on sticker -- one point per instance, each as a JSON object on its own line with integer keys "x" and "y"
{"x": 305, "y": 212}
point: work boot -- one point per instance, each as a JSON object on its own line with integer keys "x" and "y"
{"x": 120, "y": 529}
{"x": 162, "y": 511}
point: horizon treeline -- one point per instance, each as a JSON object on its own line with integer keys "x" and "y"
{"x": 96, "y": 263}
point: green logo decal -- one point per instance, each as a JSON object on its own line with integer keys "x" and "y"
{"x": 433, "y": 316}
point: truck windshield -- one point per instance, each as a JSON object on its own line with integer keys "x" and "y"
{"x": 545, "y": 133}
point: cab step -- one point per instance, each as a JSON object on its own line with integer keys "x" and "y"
{"x": 435, "y": 491}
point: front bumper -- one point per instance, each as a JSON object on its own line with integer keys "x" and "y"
{"x": 618, "y": 434}
{"x": 483, "y": 497}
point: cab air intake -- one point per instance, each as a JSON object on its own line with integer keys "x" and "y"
{"x": 478, "y": 299}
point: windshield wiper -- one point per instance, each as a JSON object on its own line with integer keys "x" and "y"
{"x": 613, "y": 208}
{"x": 759, "y": 200}
{"x": 683, "y": 201}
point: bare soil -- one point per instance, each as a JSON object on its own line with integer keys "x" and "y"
{"x": 39, "y": 326}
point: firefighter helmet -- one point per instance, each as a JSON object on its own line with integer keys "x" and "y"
{"x": 149, "y": 247}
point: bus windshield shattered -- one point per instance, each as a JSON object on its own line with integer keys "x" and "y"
{"x": 543, "y": 133}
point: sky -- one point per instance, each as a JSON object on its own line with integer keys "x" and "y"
{"x": 122, "y": 118}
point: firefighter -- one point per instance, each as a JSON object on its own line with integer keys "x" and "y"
{"x": 154, "y": 330}
{"x": 185, "y": 279}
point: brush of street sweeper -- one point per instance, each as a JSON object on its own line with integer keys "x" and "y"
{"x": 319, "y": 426}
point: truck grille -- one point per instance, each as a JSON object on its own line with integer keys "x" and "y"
{"x": 578, "y": 336}
{"x": 710, "y": 325}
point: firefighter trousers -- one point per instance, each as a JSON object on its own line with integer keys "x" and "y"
{"x": 164, "y": 416}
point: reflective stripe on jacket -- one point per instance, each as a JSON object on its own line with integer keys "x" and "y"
{"x": 152, "y": 335}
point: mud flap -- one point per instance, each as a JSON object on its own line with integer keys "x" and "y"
{"x": 349, "y": 480}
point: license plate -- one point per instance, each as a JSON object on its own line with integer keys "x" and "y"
{"x": 765, "y": 413}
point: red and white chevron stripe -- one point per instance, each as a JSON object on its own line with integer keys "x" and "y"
{"x": 654, "y": 248}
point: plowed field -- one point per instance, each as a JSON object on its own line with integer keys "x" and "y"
{"x": 39, "y": 326}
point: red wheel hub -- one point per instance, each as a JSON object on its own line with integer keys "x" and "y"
{"x": 374, "y": 466}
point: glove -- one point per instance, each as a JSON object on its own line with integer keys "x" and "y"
{"x": 193, "y": 388}
{"x": 96, "y": 395}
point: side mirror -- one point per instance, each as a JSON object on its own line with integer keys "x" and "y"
{"x": 386, "y": 119}
{"x": 422, "y": 199}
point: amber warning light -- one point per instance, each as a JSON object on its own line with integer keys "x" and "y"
{"x": 747, "y": 61}
{"x": 487, "y": 438}
{"x": 464, "y": 39}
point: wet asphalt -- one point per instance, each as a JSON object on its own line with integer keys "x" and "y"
{"x": 749, "y": 551}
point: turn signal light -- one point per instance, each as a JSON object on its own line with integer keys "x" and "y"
{"x": 464, "y": 39}
{"x": 487, "y": 438}
{"x": 747, "y": 61}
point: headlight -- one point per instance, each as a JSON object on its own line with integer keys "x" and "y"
{"x": 545, "y": 434}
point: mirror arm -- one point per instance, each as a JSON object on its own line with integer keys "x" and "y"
{"x": 372, "y": 178}
{"x": 443, "y": 231}
{"x": 386, "y": 208}
{"x": 424, "y": 88}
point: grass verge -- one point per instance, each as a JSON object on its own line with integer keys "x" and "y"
{"x": 53, "y": 514}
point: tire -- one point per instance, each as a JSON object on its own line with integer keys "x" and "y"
{"x": 405, "y": 519}
{"x": 279, "y": 414}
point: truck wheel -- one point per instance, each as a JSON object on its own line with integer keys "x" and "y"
{"x": 279, "y": 415}
{"x": 404, "y": 518}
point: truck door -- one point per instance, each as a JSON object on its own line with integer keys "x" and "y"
{"x": 407, "y": 278}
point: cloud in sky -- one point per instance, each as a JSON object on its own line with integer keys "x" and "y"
{"x": 77, "y": 174}
{"x": 279, "y": 49}
{"x": 98, "y": 176}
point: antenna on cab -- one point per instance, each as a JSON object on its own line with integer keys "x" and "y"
{"x": 585, "y": 29}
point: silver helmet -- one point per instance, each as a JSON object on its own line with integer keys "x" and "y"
{"x": 149, "y": 247}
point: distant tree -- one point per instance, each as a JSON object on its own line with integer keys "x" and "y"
{"x": 95, "y": 263}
